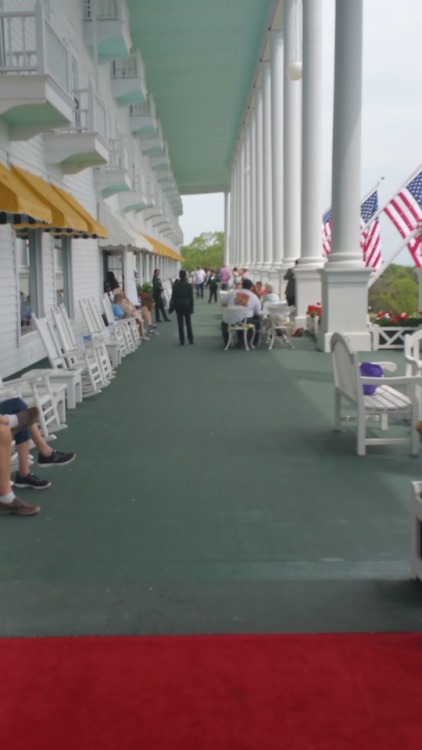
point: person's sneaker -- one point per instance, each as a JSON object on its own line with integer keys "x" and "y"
{"x": 152, "y": 332}
{"x": 26, "y": 418}
{"x": 18, "y": 508}
{"x": 57, "y": 458}
{"x": 31, "y": 482}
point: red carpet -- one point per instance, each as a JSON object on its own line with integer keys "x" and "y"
{"x": 275, "y": 692}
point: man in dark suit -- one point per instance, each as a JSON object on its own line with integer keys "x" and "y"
{"x": 182, "y": 302}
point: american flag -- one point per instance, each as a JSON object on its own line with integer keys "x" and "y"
{"x": 326, "y": 232}
{"x": 405, "y": 211}
{"x": 370, "y": 239}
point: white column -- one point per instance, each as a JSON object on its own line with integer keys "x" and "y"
{"x": 259, "y": 237}
{"x": 227, "y": 228}
{"x": 345, "y": 278}
{"x": 242, "y": 215}
{"x": 308, "y": 279}
{"x": 267, "y": 171}
{"x": 252, "y": 181}
{"x": 247, "y": 204}
{"x": 235, "y": 259}
{"x": 277, "y": 89}
{"x": 292, "y": 132}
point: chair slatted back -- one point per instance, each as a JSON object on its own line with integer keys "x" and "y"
{"x": 50, "y": 341}
{"x": 346, "y": 368}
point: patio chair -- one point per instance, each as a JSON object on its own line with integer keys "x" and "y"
{"x": 128, "y": 326}
{"x": 373, "y": 410}
{"x": 37, "y": 390}
{"x": 237, "y": 322}
{"x": 413, "y": 358}
{"x": 98, "y": 330}
{"x": 75, "y": 357}
{"x": 59, "y": 372}
{"x": 279, "y": 324}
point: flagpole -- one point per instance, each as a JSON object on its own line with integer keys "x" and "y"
{"x": 375, "y": 215}
{"x": 380, "y": 210}
{"x": 375, "y": 276}
{"x": 376, "y": 186}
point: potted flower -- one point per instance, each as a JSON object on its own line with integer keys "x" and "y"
{"x": 313, "y": 317}
{"x": 145, "y": 295}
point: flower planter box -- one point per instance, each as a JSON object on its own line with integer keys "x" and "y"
{"x": 390, "y": 337}
{"x": 312, "y": 324}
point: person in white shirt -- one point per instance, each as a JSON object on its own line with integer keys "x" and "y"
{"x": 199, "y": 279}
{"x": 241, "y": 298}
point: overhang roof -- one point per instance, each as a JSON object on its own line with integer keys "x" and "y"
{"x": 200, "y": 57}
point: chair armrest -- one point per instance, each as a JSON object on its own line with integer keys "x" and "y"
{"x": 400, "y": 380}
{"x": 389, "y": 366}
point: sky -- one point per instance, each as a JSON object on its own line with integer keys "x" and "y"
{"x": 391, "y": 114}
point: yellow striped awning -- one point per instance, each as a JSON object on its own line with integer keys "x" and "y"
{"x": 95, "y": 229}
{"x": 161, "y": 249}
{"x": 20, "y": 201}
{"x": 64, "y": 216}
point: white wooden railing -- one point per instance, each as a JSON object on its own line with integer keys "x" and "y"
{"x": 128, "y": 67}
{"x": 30, "y": 45}
{"x": 390, "y": 337}
{"x": 90, "y": 112}
{"x": 106, "y": 10}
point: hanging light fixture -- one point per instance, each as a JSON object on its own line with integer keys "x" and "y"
{"x": 294, "y": 68}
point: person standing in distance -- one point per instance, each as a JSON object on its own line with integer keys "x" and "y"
{"x": 182, "y": 302}
{"x": 157, "y": 293}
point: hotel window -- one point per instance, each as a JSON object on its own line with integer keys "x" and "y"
{"x": 30, "y": 273}
{"x": 63, "y": 273}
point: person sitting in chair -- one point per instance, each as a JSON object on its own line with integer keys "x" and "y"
{"x": 244, "y": 298}
{"x": 17, "y": 423}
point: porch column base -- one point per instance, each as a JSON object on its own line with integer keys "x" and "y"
{"x": 344, "y": 301}
{"x": 308, "y": 290}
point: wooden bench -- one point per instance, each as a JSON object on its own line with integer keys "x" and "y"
{"x": 373, "y": 411}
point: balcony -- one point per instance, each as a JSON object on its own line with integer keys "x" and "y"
{"x": 106, "y": 25}
{"x": 137, "y": 198}
{"x": 128, "y": 80}
{"x": 35, "y": 93}
{"x": 84, "y": 143}
{"x": 142, "y": 119}
{"x": 153, "y": 145}
{"x": 115, "y": 177}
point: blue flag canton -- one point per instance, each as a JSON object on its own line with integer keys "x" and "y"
{"x": 369, "y": 207}
{"x": 327, "y": 217}
{"x": 415, "y": 187}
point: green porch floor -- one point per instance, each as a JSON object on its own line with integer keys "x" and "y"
{"x": 210, "y": 494}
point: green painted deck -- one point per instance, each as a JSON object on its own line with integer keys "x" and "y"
{"x": 209, "y": 495}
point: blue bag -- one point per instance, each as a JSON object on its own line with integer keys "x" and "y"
{"x": 370, "y": 370}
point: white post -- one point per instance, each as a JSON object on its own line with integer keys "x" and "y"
{"x": 259, "y": 237}
{"x": 308, "y": 279}
{"x": 277, "y": 94}
{"x": 267, "y": 171}
{"x": 345, "y": 278}
{"x": 247, "y": 202}
{"x": 292, "y": 132}
{"x": 253, "y": 191}
{"x": 227, "y": 228}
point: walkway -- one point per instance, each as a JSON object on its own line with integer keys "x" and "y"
{"x": 210, "y": 494}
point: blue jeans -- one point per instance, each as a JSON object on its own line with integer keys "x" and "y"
{"x": 13, "y": 406}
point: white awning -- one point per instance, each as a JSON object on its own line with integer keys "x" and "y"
{"x": 120, "y": 233}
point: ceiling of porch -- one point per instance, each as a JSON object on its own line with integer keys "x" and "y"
{"x": 200, "y": 57}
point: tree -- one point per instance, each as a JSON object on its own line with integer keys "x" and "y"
{"x": 205, "y": 250}
{"x": 395, "y": 290}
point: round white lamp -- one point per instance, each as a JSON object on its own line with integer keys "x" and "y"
{"x": 294, "y": 70}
